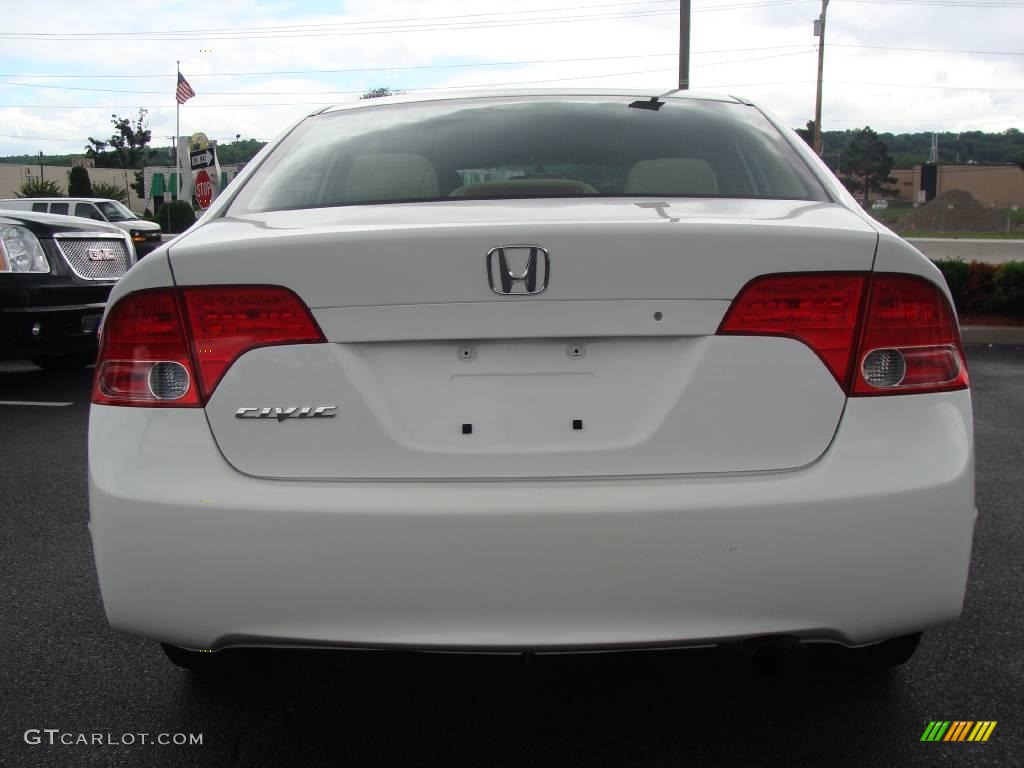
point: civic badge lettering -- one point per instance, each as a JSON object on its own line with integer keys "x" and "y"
{"x": 291, "y": 412}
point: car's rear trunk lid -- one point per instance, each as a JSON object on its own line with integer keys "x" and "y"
{"x": 612, "y": 370}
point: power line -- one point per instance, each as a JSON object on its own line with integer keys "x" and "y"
{"x": 481, "y": 64}
{"x": 195, "y": 76}
{"x": 105, "y": 36}
{"x": 415, "y": 25}
{"x": 332, "y": 27}
{"x": 345, "y": 92}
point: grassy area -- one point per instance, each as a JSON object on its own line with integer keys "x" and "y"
{"x": 891, "y": 216}
{"x": 961, "y": 235}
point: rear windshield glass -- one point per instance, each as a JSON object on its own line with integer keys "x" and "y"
{"x": 529, "y": 148}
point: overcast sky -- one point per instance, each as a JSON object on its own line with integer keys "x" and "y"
{"x": 252, "y": 63}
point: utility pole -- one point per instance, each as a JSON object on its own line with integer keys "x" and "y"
{"x": 819, "y": 30}
{"x": 40, "y": 166}
{"x": 684, "y": 45}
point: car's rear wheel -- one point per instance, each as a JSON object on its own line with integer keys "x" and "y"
{"x": 65, "y": 362}
{"x": 889, "y": 653}
{"x": 199, "y": 662}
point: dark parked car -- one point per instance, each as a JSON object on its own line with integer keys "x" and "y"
{"x": 146, "y": 235}
{"x": 55, "y": 275}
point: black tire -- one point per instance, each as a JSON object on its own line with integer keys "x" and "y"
{"x": 66, "y": 362}
{"x": 890, "y": 653}
{"x": 198, "y": 662}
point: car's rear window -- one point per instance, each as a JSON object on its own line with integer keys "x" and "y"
{"x": 529, "y": 148}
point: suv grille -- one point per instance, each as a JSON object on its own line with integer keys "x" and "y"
{"x": 91, "y": 259}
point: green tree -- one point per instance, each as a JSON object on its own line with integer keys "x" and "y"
{"x": 110, "y": 191}
{"x": 807, "y": 133}
{"x": 37, "y": 188}
{"x": 128, "y": 147}
{"x": 238, "y": 151}
{"x": 376, "y": 93}
{"x": 867, "y": 163}
{"x": 78, "y": 182}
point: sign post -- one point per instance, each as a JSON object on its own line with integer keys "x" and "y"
{"x": 202, "y": 155}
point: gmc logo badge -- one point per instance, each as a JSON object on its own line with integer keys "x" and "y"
{"x": 100, "y": 254}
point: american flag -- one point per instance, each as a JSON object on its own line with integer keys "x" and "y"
{"x": 184, "y": 92}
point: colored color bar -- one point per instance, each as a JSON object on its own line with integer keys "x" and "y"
{"x": 959, "y": 730}
{"x": 935, "y": 731}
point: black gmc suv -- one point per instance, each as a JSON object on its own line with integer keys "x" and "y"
{"x": 56, "y": 273}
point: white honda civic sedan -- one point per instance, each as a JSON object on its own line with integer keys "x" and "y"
{"x": 532, "y": 371}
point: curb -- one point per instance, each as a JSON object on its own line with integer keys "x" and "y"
{"x": 992, "y": 334}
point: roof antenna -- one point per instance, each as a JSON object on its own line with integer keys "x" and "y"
{"x": 655, "y": 102}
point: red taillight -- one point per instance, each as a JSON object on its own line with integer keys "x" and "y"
{"x": 878, "y": 333}
{"x": 169, "y": 347}
{"x": 821, "y": 309}
{"x": 143, "y": 339}
{"x": 227, "y": 321}
{"x": 911, "y": 340}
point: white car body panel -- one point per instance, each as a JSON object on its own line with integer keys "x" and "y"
{"x": 196, "y": 554}
{"x": 415, "y": 275}
{"x": 401, "y": 407}
{"x": 427, "y": 253}
{"x": 721, "y": 487}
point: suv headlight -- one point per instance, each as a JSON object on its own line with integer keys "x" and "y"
{"x": 20, "y": 251}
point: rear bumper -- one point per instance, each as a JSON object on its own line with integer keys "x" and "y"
{"x": 871, "y": 541}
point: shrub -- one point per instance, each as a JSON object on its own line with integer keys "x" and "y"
{"x": 981, "y": 287}
{"x": 955, "y": 272}
{"x": 78, "y": 182}
{"x": 37, "y": 188}
{"x": 110, "y": 191}
{"x": 1009, "y": 286}
{"x": 175, "y": 217}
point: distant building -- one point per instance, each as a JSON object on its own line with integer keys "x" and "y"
{"x": 998, "y": 185}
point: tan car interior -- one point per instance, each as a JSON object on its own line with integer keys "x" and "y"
{"x": 400, "y": 176}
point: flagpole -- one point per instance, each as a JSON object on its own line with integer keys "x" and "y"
{"x": 177, "y": 129}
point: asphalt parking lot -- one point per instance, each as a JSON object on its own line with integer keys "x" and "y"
{"x": 62, "y": 668}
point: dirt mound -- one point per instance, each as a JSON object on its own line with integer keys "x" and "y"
{"x": 957, "y": 196}
{"x": 955, "y": 210}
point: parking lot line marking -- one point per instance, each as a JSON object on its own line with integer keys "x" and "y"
{"x": 33, "y": 402}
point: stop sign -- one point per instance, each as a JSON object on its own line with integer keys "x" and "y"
{"x": 204, "y": 189}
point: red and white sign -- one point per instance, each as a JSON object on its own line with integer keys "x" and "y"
{"x": 204, "y": 189}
